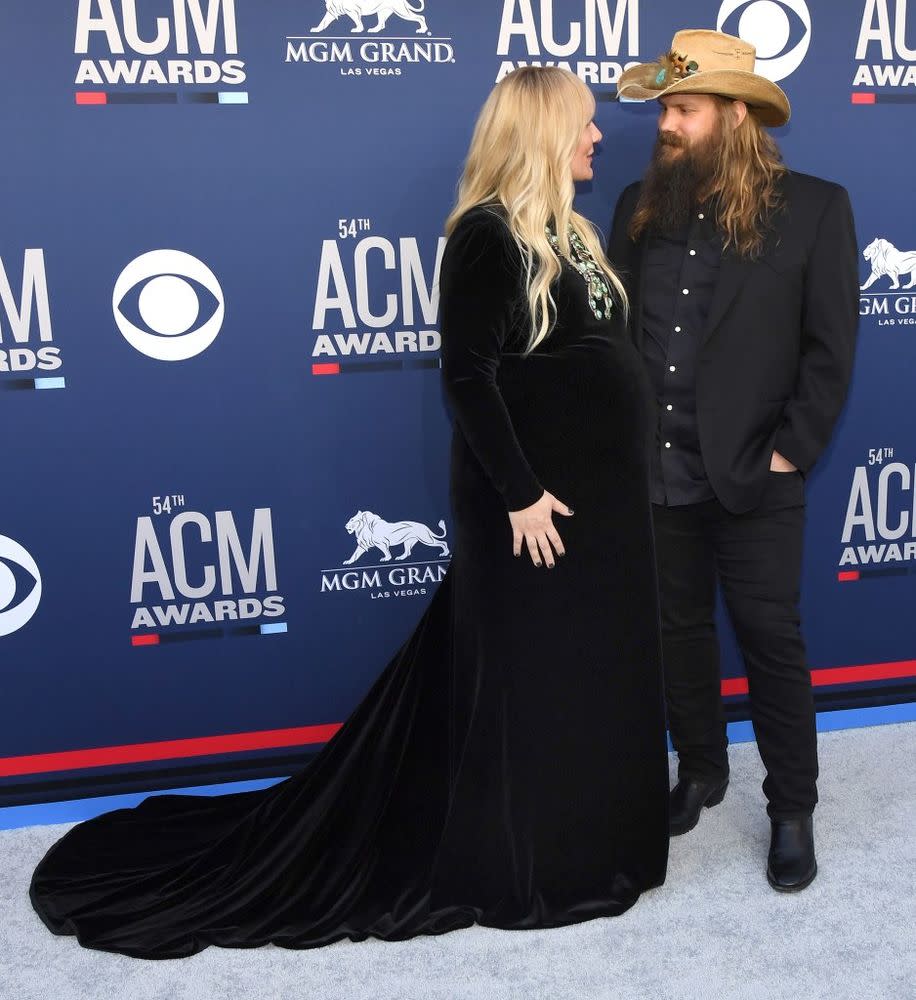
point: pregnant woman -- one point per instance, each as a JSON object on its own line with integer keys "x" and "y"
{"x": 509, "y": 766}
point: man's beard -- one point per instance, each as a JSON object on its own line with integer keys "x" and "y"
{"x": 675, "y": 182}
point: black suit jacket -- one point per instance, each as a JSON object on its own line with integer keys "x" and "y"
{"x": 776, "y": 356}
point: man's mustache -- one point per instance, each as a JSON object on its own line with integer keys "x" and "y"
{"x": 670, "y": 139}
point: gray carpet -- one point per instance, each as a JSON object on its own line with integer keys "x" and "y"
{"x": 715, "y": 930}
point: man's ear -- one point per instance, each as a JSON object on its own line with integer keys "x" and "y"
{"x": 739, "y": 111}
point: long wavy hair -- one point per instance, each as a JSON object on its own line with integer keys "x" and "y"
{"x": 745, "y": 183}
{"x": 521, "y": 157}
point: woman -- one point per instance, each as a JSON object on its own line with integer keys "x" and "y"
{"x": 509, "y": 767}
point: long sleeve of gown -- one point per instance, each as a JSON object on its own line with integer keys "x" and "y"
{"x": 480, "y": 289}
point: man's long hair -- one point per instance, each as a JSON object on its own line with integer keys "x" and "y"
{"x": 521, "y": 157}
{"x": 745, "y": 184}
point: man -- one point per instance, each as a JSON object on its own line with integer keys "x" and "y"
{"x": 743, "y": 281}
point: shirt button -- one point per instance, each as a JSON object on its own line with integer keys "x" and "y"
{"x": 669, "y": 407}
{"x": 693, "y": 253}
{"x": 671, "y": 368}
{"x": 677, "y": 329}
{"x": 686, "y": 291}
{"x": 701, "y": 216}
{"x": 667, "y": 444}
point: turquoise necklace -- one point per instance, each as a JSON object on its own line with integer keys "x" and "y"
{"x": 600, "y": 300}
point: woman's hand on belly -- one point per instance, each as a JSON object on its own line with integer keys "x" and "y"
{"x": 534, "y": 527}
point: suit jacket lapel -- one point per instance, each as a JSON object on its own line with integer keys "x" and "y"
{"x": 639, "y": 287}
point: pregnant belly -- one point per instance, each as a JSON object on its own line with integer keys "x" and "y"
{"x": 573, "y": 409}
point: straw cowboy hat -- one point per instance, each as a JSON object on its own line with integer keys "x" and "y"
{"x": 707, "y": 62}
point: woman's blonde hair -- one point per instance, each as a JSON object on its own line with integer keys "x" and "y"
{"x": 521, "y": 156}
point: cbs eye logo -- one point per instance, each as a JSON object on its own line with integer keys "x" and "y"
{"x": 780, "y": 31}
{"x": 18, "y": 575}
{"x": 165, "y": 290}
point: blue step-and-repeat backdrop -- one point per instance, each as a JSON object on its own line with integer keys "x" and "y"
{"x": 224, "y": 494}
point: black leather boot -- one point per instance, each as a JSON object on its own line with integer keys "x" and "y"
{"x": 791, "y": 865}
{"x": 687, "y": 800}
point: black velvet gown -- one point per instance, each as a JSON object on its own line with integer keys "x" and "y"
{"x": 509, "y": 766}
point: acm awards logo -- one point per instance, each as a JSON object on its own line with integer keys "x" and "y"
{"x": 880, "y": 524}
{"x": 379, "y": 543}
{"x": 888, "y": 294}
{"x": 170, "y": 293}
{"x": 779, "y": 31}
{"x": 20, "y": 586}
{"x": 192, "y": 568}
{"x": 883, "y": 56}
{"x": 129, "y": 45}
{"x": 350, "y": 35}
{"x": 597, "y": 46}
{"x": 26, "y": 336}
{"x": 376, "y": 298}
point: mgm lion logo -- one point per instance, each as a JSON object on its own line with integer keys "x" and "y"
{"x": 886, "y": 259}
{"x": 371, "y": 530}
{"x": 356, "y": 10}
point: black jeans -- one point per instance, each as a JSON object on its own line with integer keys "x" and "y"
{"x": 756, "y": 558}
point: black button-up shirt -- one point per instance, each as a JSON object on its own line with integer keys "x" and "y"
{"x": 681, "y": 273}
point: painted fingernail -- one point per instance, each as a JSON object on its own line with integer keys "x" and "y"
{"x": 537, "y": 564}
